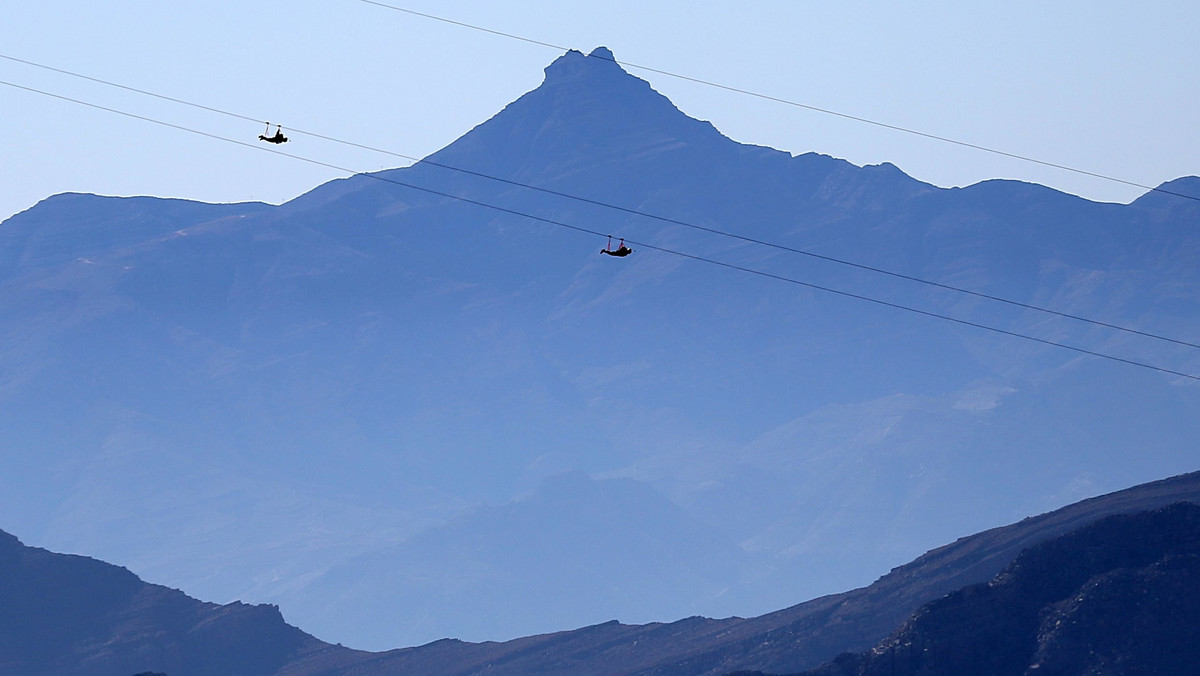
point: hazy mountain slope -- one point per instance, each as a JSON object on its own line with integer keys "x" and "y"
{"x": 264, "y": 402}
{"x": 631, "y": 545}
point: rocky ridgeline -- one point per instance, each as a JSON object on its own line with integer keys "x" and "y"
{"x": 1115, "y": 597}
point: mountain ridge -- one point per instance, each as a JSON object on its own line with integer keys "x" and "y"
{"x": 1109, "y": 597}
{"x": 73, "y": 614}
{"x": 87, "y": 617}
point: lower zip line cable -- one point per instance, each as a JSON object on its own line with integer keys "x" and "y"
{"x": 628, "y": 210}
{"x": 597, "y": 233}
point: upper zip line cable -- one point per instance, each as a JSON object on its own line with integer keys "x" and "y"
{"x": 795, "y": 104}
{"x": 645, "y": 245}
{"x": 635, "y": 212}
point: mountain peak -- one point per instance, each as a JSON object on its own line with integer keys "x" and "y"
{"x": 603, "y": 53}
{"x": 599, "y": 64}
{"x": 588, "y": 108}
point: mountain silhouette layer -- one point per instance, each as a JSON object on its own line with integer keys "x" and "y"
{"x": 400, "y": 410}
{"x": 75, "y": 615}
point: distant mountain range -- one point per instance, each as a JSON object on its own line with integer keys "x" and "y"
{"x": 401, "y": 416}
{"x": 1131, "y": 579}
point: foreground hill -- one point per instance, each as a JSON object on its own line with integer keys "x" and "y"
{"x": 1114, "y": 597}
{"x": 75, "y": 615}
{"x": 66, "y": 614}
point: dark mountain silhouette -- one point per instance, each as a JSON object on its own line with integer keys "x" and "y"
{"x": 65, "y": 614}
{"x": 273, "y": 403}
{"x": 75, "y": 615}
{"x": 1114, "y": 597}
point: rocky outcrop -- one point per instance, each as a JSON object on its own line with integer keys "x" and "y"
{"x": 1114, "y": 597}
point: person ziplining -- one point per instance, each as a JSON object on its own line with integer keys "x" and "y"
{"x": 621, "y": 249}
{"x": 277, "y": 138}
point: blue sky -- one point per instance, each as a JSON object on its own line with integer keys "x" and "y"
{"x": 1104, "y": 87}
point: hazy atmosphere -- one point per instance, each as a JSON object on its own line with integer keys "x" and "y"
{"x": 405, "y": 400}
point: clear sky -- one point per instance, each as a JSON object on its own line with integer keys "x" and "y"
{"x": 1106, "y": 87}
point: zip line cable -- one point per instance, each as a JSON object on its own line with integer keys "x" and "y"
{"x": 645, "y": 245}
{"x": 627, "y": 210}
{"x": 795, "y": 104}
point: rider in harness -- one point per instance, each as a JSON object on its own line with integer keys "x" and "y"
{"x": 621, "y": 249}
{"x": 277, "y": 138}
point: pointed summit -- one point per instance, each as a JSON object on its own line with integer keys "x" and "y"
{"x": 574, "y": 63}
{"x": 591, "y": 129}
{"x": 588, "y": 114}
{"x": 588, "y": 108}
